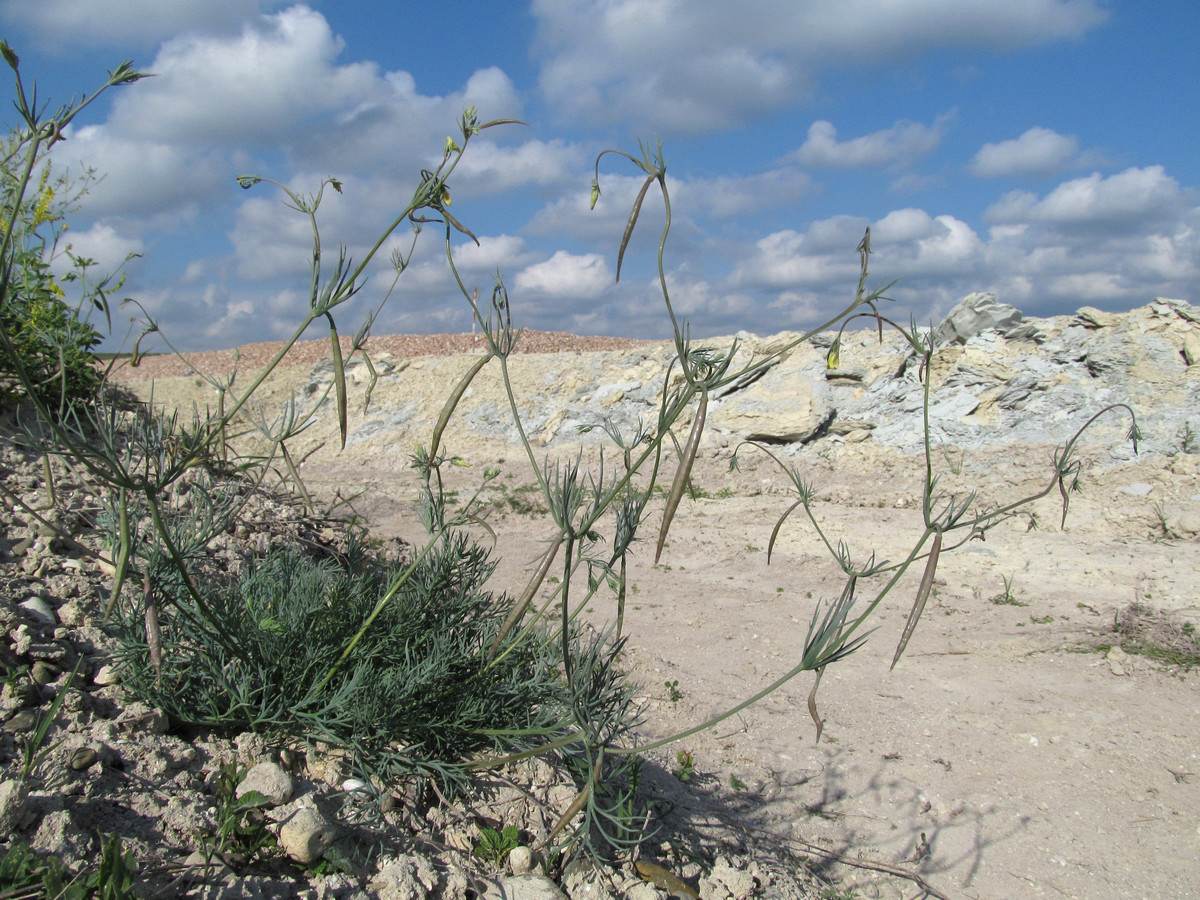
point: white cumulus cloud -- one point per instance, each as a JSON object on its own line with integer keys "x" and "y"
{"x": 691, "y": 66}
{"x": 901, "y": 145}
{"x": 124, "y": 21}
{"x": 570, "y": 276}
{"x": 1038, "y": 151}
{"x": 1124, "y": 201}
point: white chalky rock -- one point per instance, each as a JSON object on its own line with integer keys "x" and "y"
{"x": 522, "y": 887}
{"x": 13, "y": 796}
{"x": 520, "y": 860}
{"x": 306, "y": 836}
{"x": 269, "y": 780}
{"x": 40, "y": 611}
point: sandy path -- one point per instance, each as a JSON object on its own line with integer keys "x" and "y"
{"x": 1011, "y": 763}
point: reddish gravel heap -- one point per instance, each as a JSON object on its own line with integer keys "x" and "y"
{"x": 308, "y": 353}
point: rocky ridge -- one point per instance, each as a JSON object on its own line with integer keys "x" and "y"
{"x": 998, "y": 378}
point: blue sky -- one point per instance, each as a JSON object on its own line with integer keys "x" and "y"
{"x": 1046, "y": 150}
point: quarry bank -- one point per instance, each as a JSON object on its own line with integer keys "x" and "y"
{"x": 998, "y": 378}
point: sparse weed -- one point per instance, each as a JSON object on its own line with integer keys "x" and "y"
{"x": 241, "y": 823}
{"x": 1158, "y": 635}
{"x": 24, "y": 875}
{"x": 954, "y": 462}
{"x": 1163, "y": 531}
{"x": 34, "y": 749}
{"x": 685, "y": 766}
{"x": 1008, "y": 596}
{"x": 494, "y": 845}
{"x": 1187, "y": 441}
{"x": 673, "y": 692}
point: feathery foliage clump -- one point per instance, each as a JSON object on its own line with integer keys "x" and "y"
{"x": 420, "y": 692}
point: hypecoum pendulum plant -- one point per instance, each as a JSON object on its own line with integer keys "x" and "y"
{"x": 420, "y": 669}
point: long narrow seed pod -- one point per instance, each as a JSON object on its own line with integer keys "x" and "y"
{"x": 633, "y": 217}
{"x": 124, "y": 546}
{"x": 684, "y": 472}
{"x": 452, "y": 402}
{"x": 922, "y": 595}
{"x": 309, "y": 506}
{"x": 665, "y": 879}
{"x": 48, "y": 474}
{"x": 812, "y": 706}
{"x": 339, "y": 378}
{"x": 621, "y": 598}
{"x": 153, "y": 631}
{"x": 576, "y": 805}
{"x": 526, "y": 597}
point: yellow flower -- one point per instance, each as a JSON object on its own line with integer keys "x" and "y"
{"x": 833, "y": 358}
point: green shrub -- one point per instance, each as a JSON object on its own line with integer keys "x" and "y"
{"x": 46, "y": 352}
{"x": 48, "y": 346}
{"x": 420, "y": 693}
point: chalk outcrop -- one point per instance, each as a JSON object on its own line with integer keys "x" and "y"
{"x": 997, "y": 377}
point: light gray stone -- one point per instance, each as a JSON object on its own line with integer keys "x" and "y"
{"x": 786, "y": 405}
{"x": 727, "y": 882}
{"x": 1191, "y": 348}
{"x": 405, "y": 878}
{"x": 270, "y": 780}
{"x": 40, "y": 611}
{"x": 520, "y": 860}
{"x": 306, "y": 835}
{"x": 522, "y": 887}
{"x": 1137, "y": 489}
{"x": 13, "y": 797}
{"x": 1090, "y": 317}
{"x": 973, "y": 314}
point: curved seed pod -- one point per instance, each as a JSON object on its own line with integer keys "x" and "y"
{"x": 812, "y": 705}
{"x": 684, "y": 472}
{"x": 922, "y": 596}
{"x": 576, "y": 806}
{"x": 339, "y": 377}
{"x": 665, "y": 879}
{"x": 153, "y": 631}
{"x": 125, "y": 545}
{"x": 778, "y": 526}
{"x": 526, "y": 597}
{"x": 452, "y": 402}
{"x": 633, "y": 217}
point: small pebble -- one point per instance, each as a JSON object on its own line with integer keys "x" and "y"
{"x": 23, "y": 721}
{"x": 268, "y": 779}
{"x": 13, "y": 797}
{"x": 44, "y": 672}
{"x": 306, "y": 836}
{"x": 520, "y": 860}
{"x": 27, "y": 694}
{"x": 39, "y": 610}
{"x": 83, "y": 758}
{"x": 106, "y": 676}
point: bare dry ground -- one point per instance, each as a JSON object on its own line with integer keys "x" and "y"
{"x": 1008, "y": 754}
